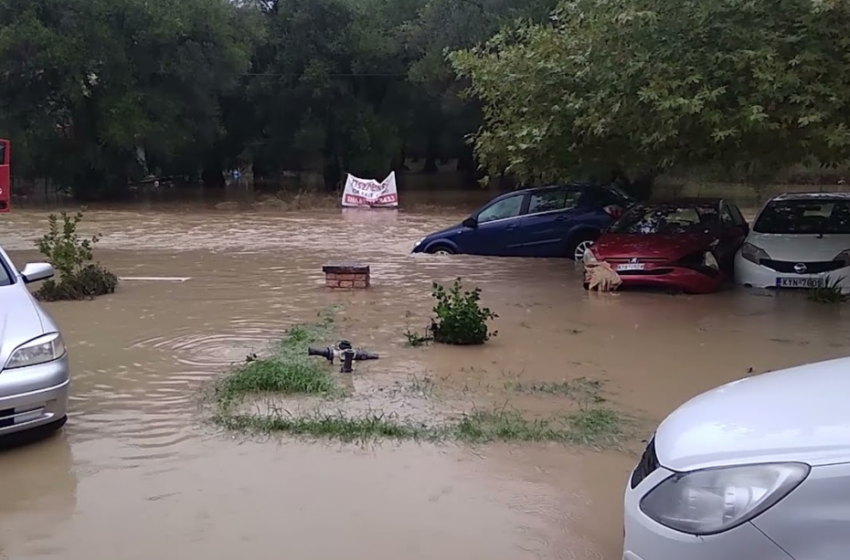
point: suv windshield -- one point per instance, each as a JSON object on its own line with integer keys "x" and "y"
{"x": 805, "y": 215}
{"x": 666, "y": 219}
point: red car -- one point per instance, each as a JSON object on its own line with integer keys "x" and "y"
{"x": 686, "y": 245}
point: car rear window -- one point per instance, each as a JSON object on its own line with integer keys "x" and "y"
{"x": 667, "y": 219}
{"x": 805, "y": 216}
{"x": 598, "y": 197}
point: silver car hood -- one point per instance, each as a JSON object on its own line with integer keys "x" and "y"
{"x": 20, "y": 319}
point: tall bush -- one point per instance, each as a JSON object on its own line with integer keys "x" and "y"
{"x": 72, "y": 257}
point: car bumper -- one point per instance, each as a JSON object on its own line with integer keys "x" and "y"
{"x": 754, "y": 275}
{"x": 647, "y": 540}
{"x": 674, "y": 277}
{"x": 34, "y": 396}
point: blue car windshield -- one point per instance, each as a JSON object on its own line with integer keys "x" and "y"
{"x": 666, "y": 219}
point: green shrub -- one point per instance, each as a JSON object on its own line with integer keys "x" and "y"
{"x": 71, "y": 256}
{"x": 830, "y": 292}
{"x": 460, "y": 319}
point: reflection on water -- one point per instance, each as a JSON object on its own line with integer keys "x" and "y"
{"x": 137, "y": 469}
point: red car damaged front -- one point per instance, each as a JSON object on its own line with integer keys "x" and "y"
{"x": 666, "y": 246}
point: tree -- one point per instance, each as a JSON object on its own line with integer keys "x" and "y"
{"x": 630, "y": 85}
{"x": 442, "y": 120}
{"x": 328, "y": 83}
{"x": 98, "y": 91}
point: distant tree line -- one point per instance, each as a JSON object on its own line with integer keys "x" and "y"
{"x": 96, "y": 94}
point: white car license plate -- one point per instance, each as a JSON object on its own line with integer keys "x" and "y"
{"x": 786, "y": 282}
{"x": 631, "y": 266}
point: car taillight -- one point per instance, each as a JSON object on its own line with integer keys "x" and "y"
{"x": 614, "y": 211}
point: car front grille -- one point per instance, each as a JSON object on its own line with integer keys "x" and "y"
{"x": 815, "y": 267}
{"x": 647, "y": 464}
{"x": 650, "y": 272}
{"x": 650, "y": 260}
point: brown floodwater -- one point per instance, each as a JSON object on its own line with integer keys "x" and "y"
{"x": 139, "y": 470}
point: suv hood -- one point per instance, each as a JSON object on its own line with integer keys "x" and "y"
{"x": 797, "y": 414}
{"x": 20, "y": 319}
{"x": 800, "y": 247}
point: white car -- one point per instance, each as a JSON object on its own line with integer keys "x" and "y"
{"x": 758, "y": 469}
{"x": 798, "y": 241}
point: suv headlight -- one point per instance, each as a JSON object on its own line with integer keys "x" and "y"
{"x": 37, "y": 351}
{"x": 754, "y": 254}
{"x": 711, "y": 501}
{"x": 843, "y": 257}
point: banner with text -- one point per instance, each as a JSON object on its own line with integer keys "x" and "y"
{"x": 370, "y": 193}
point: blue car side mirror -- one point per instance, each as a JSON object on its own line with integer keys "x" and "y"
{"x": 470, "y": 223}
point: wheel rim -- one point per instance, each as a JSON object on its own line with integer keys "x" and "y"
{"x": 442, "y": 252}
{"x": 581, "y": 248}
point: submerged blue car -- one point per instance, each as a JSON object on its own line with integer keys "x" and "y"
{"x": 554, "y": 221}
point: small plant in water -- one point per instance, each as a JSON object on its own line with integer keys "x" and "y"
{"x": 830, "y": 292}
{"x": 460, "y": 319}
{"x": 416, "y": 339}
{"x": 71, "y": 256}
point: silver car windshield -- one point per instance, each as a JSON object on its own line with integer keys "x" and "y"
{"x": 5, "y": 272}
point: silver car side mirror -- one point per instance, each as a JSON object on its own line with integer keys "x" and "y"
{"x": 34, "y": 272}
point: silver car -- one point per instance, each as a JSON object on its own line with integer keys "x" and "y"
{"x": 34, "y": 371}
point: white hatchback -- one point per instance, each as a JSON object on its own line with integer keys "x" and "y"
{"x": 798, "y": 241}
{"x": 758, "y": 469}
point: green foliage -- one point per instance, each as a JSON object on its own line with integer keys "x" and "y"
{"x": 71, "y": 256}
{"x": 87, "y": 82}
{"x": 636, "y": 84}
{"x": 414, "y": 339}
{"x": 99, "y": 93}
{"x": 63, "y": 247}
{"x": 460, "y": 319}
{"x": 830, "y": 292}
{"x": 287, "y": 370}
{"x": 597, "y": 427}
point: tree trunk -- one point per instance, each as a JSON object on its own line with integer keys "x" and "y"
{"x": 431, "y": 156}
{"x": 212, "y": 176}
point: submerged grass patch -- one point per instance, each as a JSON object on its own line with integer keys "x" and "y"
{"x": 581, "y": 389}
{"x": 288, "y": 370}
{"x": 595, "y": 427}
{"x": 335, "y": 427}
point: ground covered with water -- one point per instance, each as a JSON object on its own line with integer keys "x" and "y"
{"x": 141, "y": 467}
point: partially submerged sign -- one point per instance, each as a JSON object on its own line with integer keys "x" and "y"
{"x": 369, "y": 193}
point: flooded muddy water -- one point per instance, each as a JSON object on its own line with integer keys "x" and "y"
{"x": 138, "y": 469}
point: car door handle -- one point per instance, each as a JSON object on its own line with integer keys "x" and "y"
{"x": 512, "y": 226}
